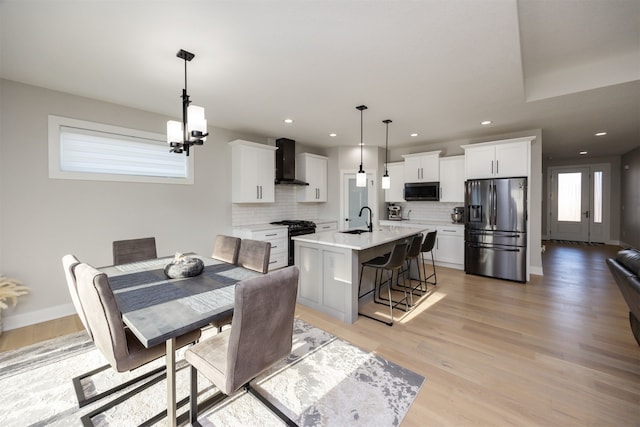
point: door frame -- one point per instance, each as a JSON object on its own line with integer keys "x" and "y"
{"x": 604, "y": 232}
{"x": 372, "y": 195}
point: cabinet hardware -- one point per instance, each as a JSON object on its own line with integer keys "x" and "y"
{"x": 272, "y": 234}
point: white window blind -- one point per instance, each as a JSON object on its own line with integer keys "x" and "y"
{"x": 84, "y": 150}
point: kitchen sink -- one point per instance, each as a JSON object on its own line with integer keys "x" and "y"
{"x": 355, "y": 231}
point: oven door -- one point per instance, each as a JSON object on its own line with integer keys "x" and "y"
{"x": 293, "y": 233}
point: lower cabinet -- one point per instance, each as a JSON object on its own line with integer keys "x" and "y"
{"x": 326, "y": 226}
{"x": 278, "y": 238}
{"x": 449, "y": 247}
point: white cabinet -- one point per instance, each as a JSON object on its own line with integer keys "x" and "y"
{"x": 422, "y": 167}
{"x": 452, "y": 179}
{"x": 326, "y": 226}
{"x": 395, "y": 193}
{"x": 508, "y": 158}
{"x": 312, "y": 168}
{"x": 449, "y": 248}
{"x": 277, "y": 236}
{"x": 252, "y": 172}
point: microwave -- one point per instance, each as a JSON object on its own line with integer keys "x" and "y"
{"x": 424, "y": 191}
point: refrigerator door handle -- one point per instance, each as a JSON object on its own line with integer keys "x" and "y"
{"x": 494, "y": 248}
{"x": 495, "y": 205}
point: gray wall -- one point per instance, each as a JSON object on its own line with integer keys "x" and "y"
{"x": 630, "y": 184}
{"x": 42, "y": 219}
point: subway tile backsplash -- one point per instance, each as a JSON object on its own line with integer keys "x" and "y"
{"x": 439, "y": 211}
{"x": 285, "y": 207}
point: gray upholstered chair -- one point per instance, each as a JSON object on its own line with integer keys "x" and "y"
{"x": 260, "y": 336}
{"x": 117, "y": 344}
{"x": 126, "y": 251}
{"x": 69, "y": 263}
{"x": 251, "y": 254}
{"x": 254, "y": 255}
{"x": 226, "y": 248}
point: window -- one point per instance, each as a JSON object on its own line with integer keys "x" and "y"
{"x": 92, "y": 151}
{"x": 569, "y": 196}
{"x": 597, "y": 197}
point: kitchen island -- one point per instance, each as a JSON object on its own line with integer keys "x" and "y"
{"x": 329, "y": 264}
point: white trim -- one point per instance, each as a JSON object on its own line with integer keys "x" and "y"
{"x": 31, "y": 318}
{"x": 55, "y": 172}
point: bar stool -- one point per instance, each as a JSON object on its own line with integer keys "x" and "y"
{"x": 391, "y": 262}
{"x": 413, "y": 253}
{"x": 427, "y": 246}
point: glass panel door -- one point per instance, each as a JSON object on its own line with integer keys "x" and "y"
{"x": 357, "y": 197}
{"x": 570, "y": 204}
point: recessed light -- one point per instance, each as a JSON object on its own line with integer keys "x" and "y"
{"x": 414, "y": 134}
{"x": 486, "y": 122}
{"x": 601, "y": 134}
{"x": 333, "y": 135}
{"x": 288, "y": 121}
{"x": 582, "y": 153}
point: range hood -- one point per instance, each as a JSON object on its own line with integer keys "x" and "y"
{"x": 286, "y": 162}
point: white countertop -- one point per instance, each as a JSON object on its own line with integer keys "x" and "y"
{"x": 379, "y": 236}
{"x": 259, "y": 227}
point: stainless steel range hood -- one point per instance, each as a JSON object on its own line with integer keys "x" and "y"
{"x": 286, "y": 162}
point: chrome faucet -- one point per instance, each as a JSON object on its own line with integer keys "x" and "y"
{"x": 370, "y": 225}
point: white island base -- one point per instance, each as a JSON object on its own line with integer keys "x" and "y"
{"x": 329, "y": 264}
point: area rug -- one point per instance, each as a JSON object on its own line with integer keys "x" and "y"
{"x": 324, "y": 382}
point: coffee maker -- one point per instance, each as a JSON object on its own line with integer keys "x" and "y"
{"x": 394, "y": 212}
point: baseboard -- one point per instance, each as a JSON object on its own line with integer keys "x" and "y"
{"x": 38, "y": 316}
{"x": 536, "y": 270}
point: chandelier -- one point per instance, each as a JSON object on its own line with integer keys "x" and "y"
{"x": 193, "y": 128}
{"x": 361, "y": 176}
{"x": 386, "y": 180}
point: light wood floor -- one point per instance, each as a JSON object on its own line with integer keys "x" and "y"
{"x": 557, "y": 351}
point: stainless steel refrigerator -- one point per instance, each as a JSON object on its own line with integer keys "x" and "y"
{"x": 496, "y": 228}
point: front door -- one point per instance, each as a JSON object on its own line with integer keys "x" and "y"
{"x": 578, "y": 203}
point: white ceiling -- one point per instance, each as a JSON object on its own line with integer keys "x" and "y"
{"x": 434, "y": 67}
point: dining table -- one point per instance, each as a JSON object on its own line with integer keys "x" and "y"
{"x": 157, "y": 309}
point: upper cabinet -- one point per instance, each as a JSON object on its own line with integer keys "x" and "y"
{"x": 422, "y": 167}
{"x": 452, "y": 179}
{"x": 312, "y": 168}
{"x": 498, "y": 159}
{"x": 395, "y": 193}
{"x": 253, "y": 172}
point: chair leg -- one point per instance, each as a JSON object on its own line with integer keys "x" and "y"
{"x": 390, "y": 280}
{"x": 83, "y": 400}
{"x": 193, "y": 396}
{"x": 288, "y": 421}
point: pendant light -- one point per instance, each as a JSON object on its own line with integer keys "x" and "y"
{"x": 193, "y": 128}
{"x": 386, "y": 180}
{"x": 361, "y": 177}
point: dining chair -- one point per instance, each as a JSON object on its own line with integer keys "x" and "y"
{"x": 132, "y": 250}
{"x": 251, "y": 254}
{"x": 122, "y": 350}
{"x": 254, "y": 255}
{"x": 226, "y": 248}
{"x": 260, "y": 336}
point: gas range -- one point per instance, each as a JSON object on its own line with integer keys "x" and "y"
{"x": 296, "y": 228}
{"x": 297, "y": 225}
